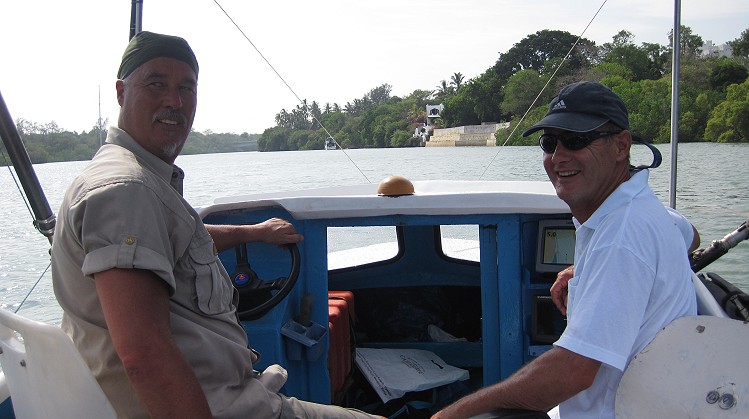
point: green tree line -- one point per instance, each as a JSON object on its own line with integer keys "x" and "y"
{"x": 46, "y": 143}
{"x": 714, "y": 100}
{"x": 714, "y": 95}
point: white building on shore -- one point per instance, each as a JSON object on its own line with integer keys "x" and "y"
{"x": 711, "y": 50}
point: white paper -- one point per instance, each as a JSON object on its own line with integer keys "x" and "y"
{"x": 394, "y": 372}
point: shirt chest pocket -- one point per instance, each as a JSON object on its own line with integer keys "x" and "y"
{"x": 213, "y": 292}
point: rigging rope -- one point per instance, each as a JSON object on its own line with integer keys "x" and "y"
{"x": 26, "y": 202}
{"x": 18, "y": 187}
{"x": 289, "y": 87}
{"x": 33, "y": 287}
{"x": 564, "y": 59}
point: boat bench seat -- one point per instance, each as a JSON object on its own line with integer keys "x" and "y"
{"x": 45, "y": 373}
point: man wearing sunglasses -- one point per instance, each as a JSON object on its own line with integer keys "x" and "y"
{"x": 631, "y": 276}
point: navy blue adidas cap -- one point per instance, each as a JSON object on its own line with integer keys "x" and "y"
{"x": 583, "y": 107}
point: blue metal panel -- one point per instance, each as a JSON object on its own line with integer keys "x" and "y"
{"x": 501, "y": 291}
{"x": 308, "y": 379}
{"x": 317, "y": 377}
{"x": 510, "y": 295}
{"x": 489, "y": 299}
{"x": 6, "y": 409}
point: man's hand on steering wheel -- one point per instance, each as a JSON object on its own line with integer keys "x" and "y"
{"x": 277, "y": 231}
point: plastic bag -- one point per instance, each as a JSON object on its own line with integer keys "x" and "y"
{"x": 394, "y": 372}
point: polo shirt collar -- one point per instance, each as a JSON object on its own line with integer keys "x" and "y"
{"x": 622, "y": 195}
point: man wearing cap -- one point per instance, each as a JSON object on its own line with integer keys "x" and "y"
{"x": 145, "y": 298}
{"x": 631, "y": 276}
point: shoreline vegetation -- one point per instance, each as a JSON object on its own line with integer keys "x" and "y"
{"x": 714, "y": 101}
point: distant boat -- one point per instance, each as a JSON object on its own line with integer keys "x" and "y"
{"x": 330, "y": 144}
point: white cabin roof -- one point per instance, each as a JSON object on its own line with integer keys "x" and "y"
{"x": 433, "y": 197}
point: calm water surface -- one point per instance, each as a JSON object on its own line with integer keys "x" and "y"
{"x": 711, "y": 192}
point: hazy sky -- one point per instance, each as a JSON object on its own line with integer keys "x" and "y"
{"x": 55, "y": 56}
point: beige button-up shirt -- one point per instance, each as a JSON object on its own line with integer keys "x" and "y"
{"x": 126, "y": 210}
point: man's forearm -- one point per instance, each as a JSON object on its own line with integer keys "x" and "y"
{"x": 273, "y": 231}
{"x": 135, "y": 304}
{"x": 554, "y": 377}
{"x": 227, "y": 236}
{"x": 167, "y": 386}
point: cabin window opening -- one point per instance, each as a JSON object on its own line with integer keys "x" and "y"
{"x": 460, "y": 242}
{"x": 356, "y": 246}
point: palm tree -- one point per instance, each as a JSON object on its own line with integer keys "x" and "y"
{"x": 457, "y": 80}
{"x": 444, "y": 90}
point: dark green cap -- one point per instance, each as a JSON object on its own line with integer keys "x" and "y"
{"x": 146, "y": 46}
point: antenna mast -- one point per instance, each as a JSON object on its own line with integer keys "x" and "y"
{"x": 136, "y": 17}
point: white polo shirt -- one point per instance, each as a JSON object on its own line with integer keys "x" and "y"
{"x": 632, "y": 278}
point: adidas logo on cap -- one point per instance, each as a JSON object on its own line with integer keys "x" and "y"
{"x": 559, "y": 106}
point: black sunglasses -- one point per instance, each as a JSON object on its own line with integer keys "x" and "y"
{"x": 572, "y": 141}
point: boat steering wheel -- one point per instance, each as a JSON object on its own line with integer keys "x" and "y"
{"x": 258, "y": 296}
